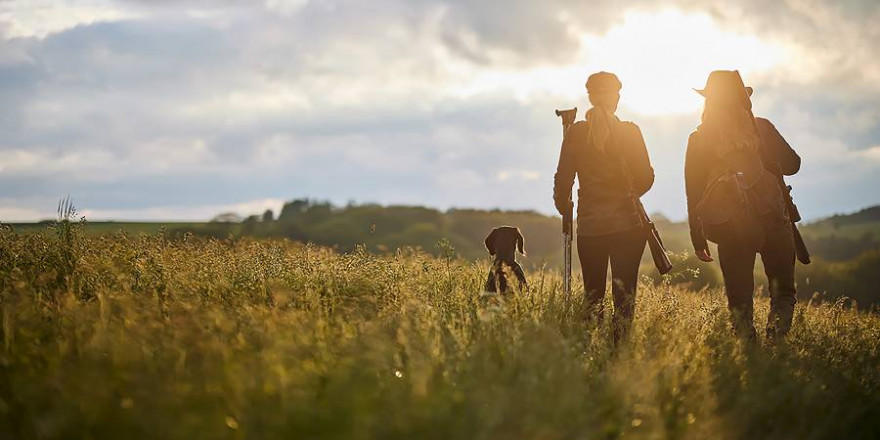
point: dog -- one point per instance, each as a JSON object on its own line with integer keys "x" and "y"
{"x": 502, "y": 243}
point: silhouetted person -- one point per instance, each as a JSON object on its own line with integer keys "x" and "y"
{"x": 604, "y": 153}
{"x": 735, "y": 201}
{"x": 502, "y": 243}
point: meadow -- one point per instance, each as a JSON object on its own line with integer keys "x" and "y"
{"x": 120, "y": 336}
{"x": 845, "y": 248}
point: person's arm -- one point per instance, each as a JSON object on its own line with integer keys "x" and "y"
{"x": 777, "y": 155}
{"x": 638, "y": 162}
{"x": 695, "y": 185}
{"x": 567, "y": 169}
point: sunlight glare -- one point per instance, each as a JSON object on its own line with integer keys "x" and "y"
{"x": 660, "y": 56}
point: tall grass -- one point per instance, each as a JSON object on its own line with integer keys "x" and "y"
{"x": 156, "y": 338}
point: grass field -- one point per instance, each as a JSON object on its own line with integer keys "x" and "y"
{"x": 123, "y": 337}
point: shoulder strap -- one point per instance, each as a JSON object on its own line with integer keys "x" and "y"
{"x": 622, "y": 157}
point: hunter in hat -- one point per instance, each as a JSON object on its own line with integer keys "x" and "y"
{"x": 610, "y": 160}
{"x": 733, "y": 167}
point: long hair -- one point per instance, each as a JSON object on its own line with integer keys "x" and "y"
{"x": 601, "y": 121}
{"x": 730, "y": 125}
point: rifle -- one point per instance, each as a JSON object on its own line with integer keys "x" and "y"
{"x": 655, "y": 243}
{"x": 568, "y": 117}
{"x": 794, "y": 216}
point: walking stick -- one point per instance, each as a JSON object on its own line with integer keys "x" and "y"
{"x": 567, "y": 119}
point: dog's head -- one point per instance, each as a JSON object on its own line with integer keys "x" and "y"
{"x": 503, "y": 241}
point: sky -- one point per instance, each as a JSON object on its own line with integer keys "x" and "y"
{"x": 180, "y": 110}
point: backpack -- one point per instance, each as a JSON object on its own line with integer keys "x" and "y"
{"x": 740, "y": 195}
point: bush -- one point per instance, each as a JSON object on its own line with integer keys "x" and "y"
{"x": 857, "y": 279}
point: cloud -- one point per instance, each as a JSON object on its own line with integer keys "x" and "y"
{"x": 38, "y": 18}
{"x": 872, "y": 153}
{"x": 9, "y": 212}
{"x": 184, "y": 107}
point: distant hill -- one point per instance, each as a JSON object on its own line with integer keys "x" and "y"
{"x": 844, "y": 236}
{"x": 846, "y": 248}
{"x": 867, "y": 215}
{"x": 385, "y": 228}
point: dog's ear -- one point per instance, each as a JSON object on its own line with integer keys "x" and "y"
{"x": 490, "y": 241}
{"x": 520, "y": 242}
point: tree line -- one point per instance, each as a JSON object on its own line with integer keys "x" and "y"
{"x": 844, "y": 264}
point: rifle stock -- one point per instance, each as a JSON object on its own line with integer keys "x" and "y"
{"x": 794, "y": 216}
{"x": 655, "y": 243}
{"x": 800, "y": 248}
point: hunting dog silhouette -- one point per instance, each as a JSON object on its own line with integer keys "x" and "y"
{"x": 502, "y": 243}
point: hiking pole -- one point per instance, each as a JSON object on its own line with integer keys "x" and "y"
{"x": 567, "y": 216}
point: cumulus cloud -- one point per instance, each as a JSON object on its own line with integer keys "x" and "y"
{"x": 140, "y": 108}
{"x": 27, "y": 18}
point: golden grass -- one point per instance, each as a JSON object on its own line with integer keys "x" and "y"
{"x": 122, "y": 337}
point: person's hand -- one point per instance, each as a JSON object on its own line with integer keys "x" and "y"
{"x": 704, "y": 255}
{"x": 563, "y": 207}
{"x": 560, "y": 209}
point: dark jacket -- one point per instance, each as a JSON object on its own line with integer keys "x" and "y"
{"x": 703, "y": 166}
{"x": 604, "y": 202}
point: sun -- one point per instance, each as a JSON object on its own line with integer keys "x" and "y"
{"x": 659, "y": 55}
{"x": 662, "y": 56}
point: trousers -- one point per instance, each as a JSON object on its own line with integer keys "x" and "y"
{"x": 624, "y": 251}
{"x": 737, "y": 267}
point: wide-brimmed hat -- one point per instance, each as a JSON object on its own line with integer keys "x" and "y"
{"x": 600, "y": 82}
{"x": 724, "y": 83}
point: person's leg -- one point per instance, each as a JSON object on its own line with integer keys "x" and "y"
{"x": 737, "y": 268}
{"x": 626, "y": 255}
{"x": 593, "y": 256}
{"x": 778, "y": 257}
